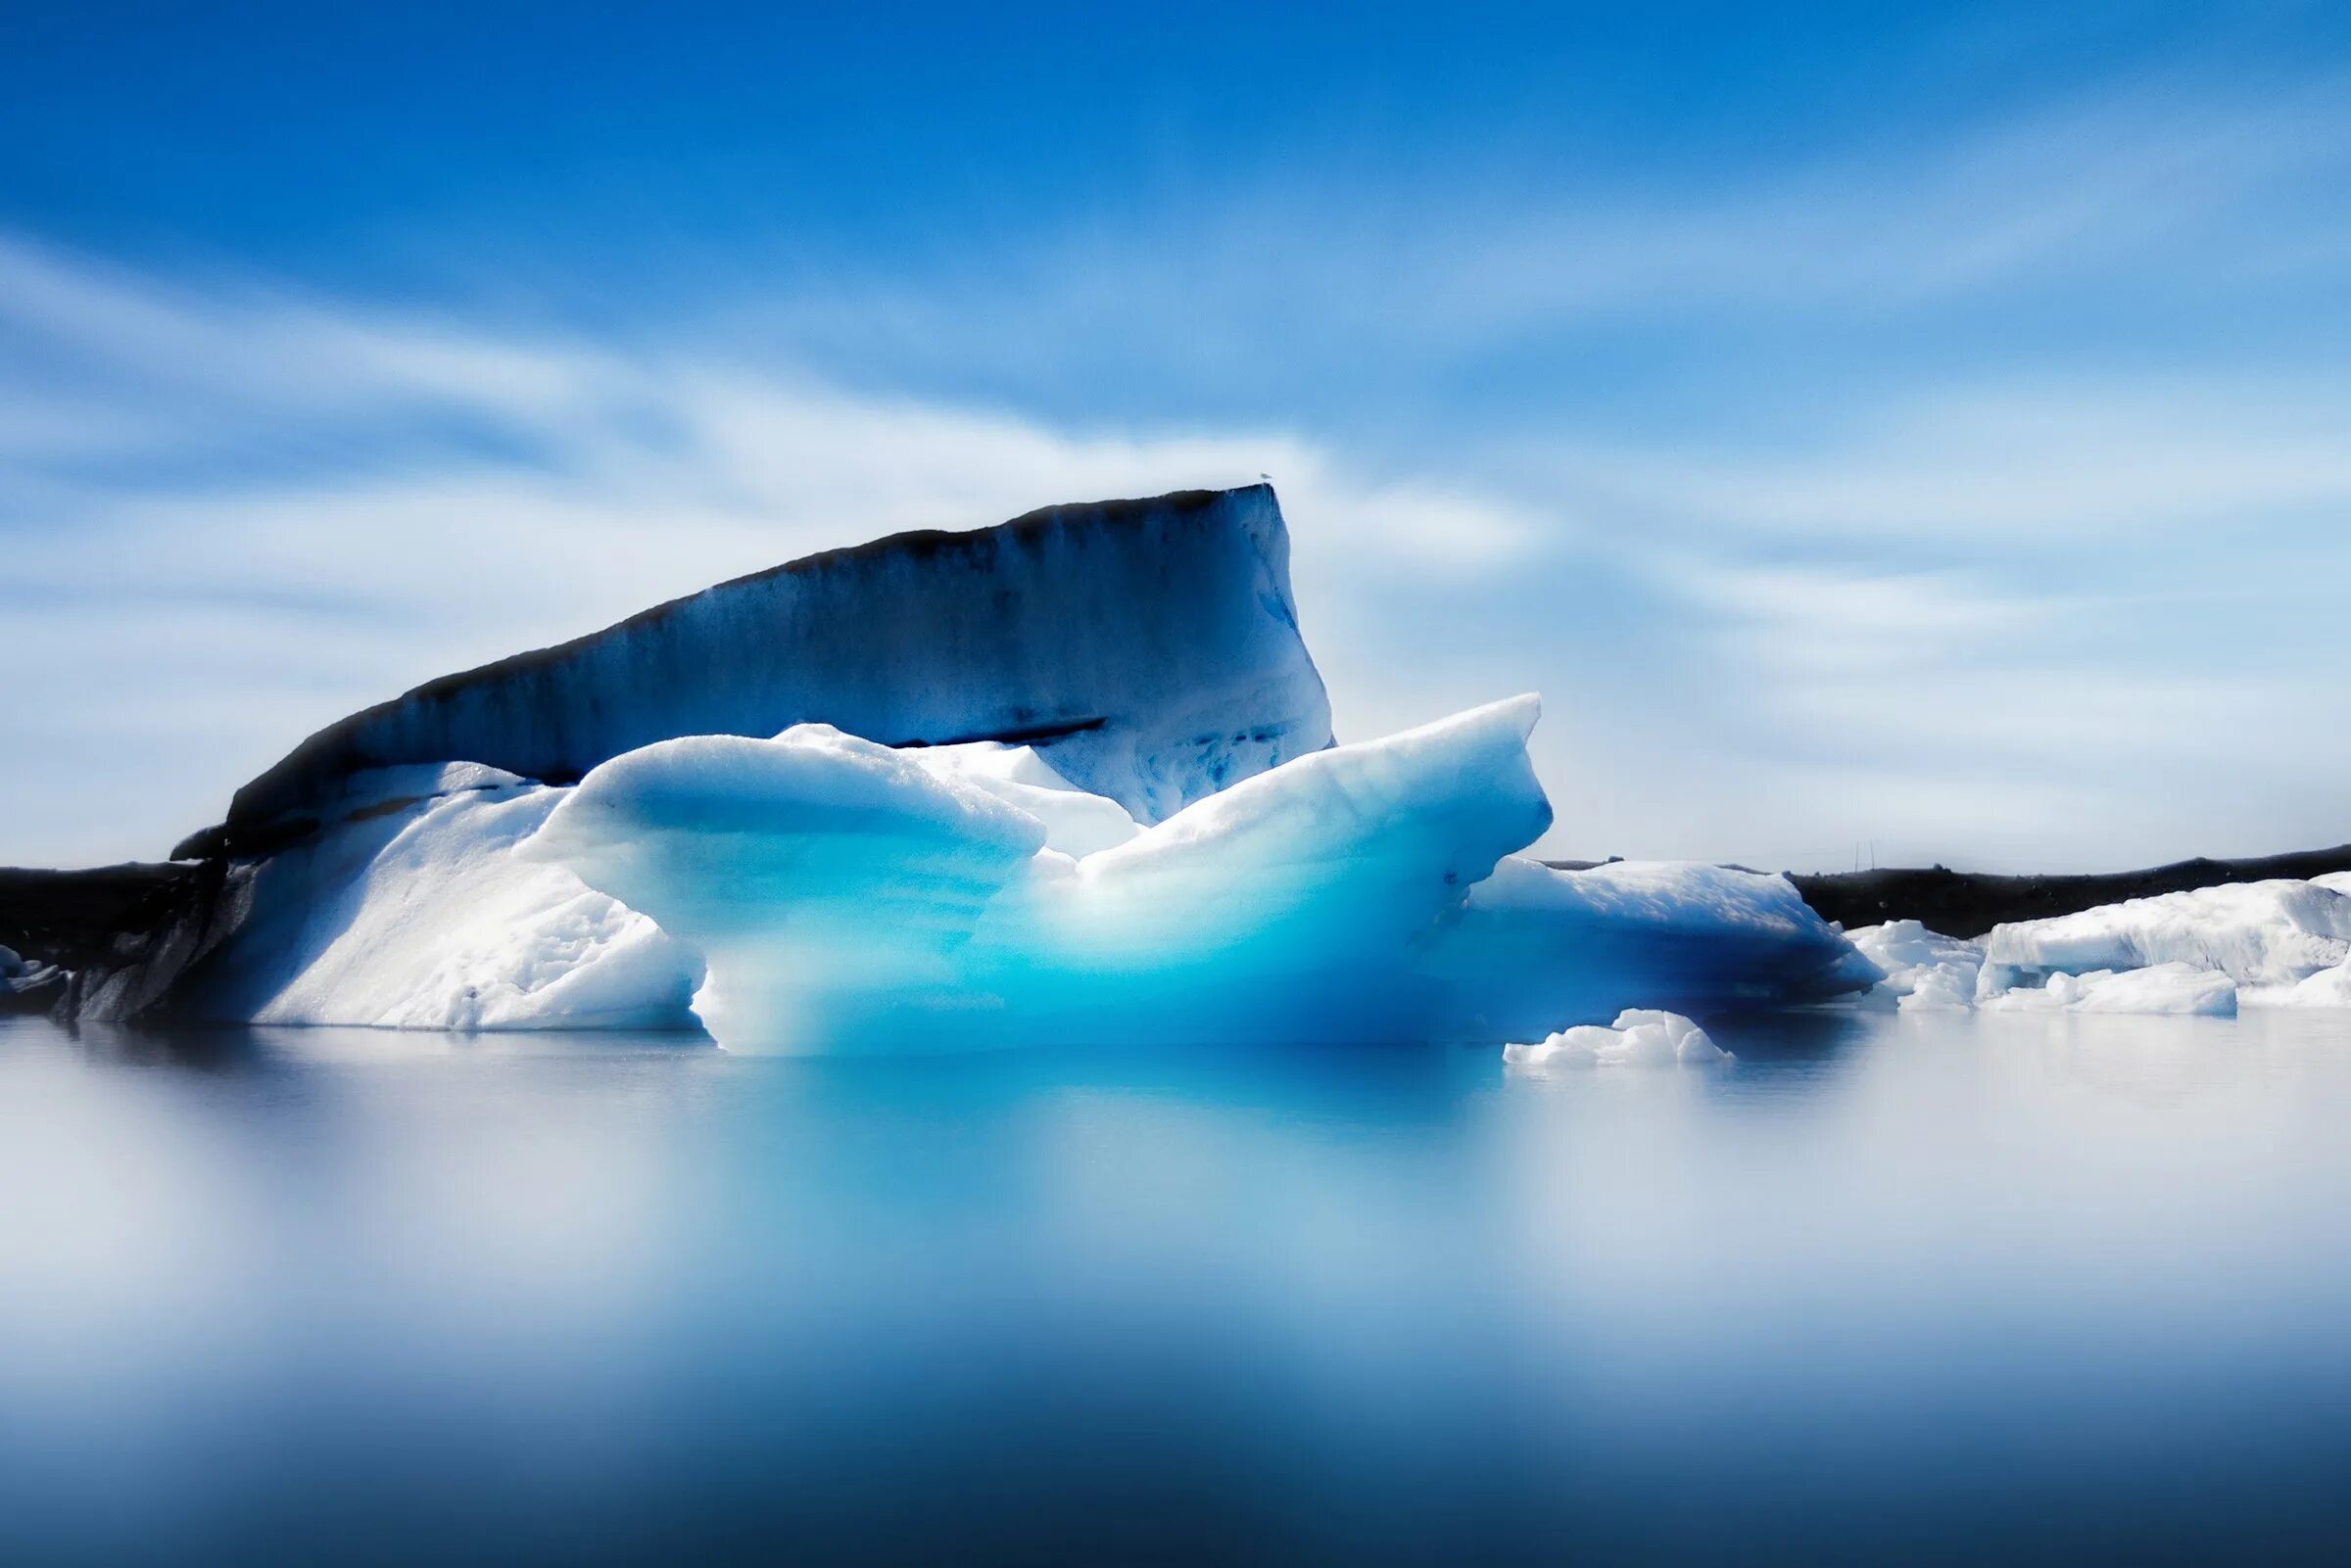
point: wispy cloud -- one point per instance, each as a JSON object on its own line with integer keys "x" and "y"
{"x": 424, "y": 496}
{"x": 1873, "y": 494}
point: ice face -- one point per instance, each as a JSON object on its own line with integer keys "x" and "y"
{"x": 843, "y": 892}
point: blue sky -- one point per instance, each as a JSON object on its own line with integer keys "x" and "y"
{"x": 1927, "y": 425}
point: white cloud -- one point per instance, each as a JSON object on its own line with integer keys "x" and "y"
{"x": 186, "y": 633}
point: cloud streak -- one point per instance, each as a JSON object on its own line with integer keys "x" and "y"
{"x": 1727, "y": 469}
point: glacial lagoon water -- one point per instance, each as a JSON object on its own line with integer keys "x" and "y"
{"x": 1950, "y": 1288}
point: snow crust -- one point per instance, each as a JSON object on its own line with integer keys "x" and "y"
{"x": 1640, "y": 1037}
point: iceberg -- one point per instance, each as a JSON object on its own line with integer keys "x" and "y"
{"x": 2173, "y": 988}
{"x": 840, "y": 891}
{"x": 1151, "y": 646}
{"x": 1925, "y": 971}
{"x": 2267, "y": 937}
{"x": 1640, "y": 1037}
{"x": 818, "y": 891}
{"x": 1067, "y": 778}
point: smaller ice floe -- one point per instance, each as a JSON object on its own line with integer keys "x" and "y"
{"x": 1640, "y": 1037}
{"x": 2159, "y": 988}
{"x": 2334, "y": 881}
{"x": 1925, "y": 971}
{"x": 2272, "y": 933}
{"x": 2274, "y": 939}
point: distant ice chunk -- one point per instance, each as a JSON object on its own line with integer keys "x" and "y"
{"x": 2335, "y": 881}
{"x": 1925, "y": 971}
{"x": 2266, "y": 934}
{"x": 1640, "y": 1037}
{"x": 2159, "y": 988}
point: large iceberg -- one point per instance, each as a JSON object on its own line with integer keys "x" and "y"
{"x": 1151, "y": 645}
{"x": 817, "y": 891}
{"x": 1070, "y": 778}
{"x": 843, "y": 892}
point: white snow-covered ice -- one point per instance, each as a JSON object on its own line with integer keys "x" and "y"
{"x": 1640, "y": 1037}
{"x": 2174, "y": 988}
{"x": 2258, "y": 933}
{"x": 2276, "y": 941}
{"x": 1925, "y": 971}
{"x": 412, "y": 911}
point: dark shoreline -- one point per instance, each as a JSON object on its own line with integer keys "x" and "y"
{"x": 1969, "y": 904}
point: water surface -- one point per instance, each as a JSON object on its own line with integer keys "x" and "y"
{"x": 2051, "y": 1288}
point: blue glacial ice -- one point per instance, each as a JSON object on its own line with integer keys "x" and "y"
{"x": 1069, "y": 777}
{"x": 845, "y": 893}
{"x": 1151, "y": 645}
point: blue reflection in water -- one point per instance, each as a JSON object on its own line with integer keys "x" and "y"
{"x": 1935, "y": 1288}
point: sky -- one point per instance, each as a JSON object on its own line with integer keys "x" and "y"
{"x": 1901, "y": 431}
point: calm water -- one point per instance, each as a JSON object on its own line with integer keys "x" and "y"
{"x": 2060, "y": 1288}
